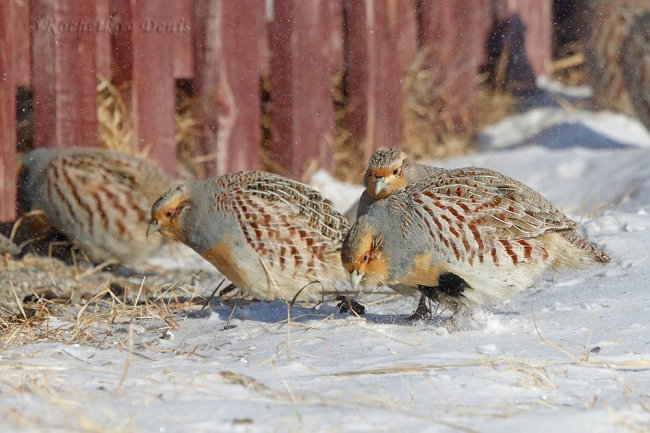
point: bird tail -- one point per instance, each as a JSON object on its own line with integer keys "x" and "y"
{"x": 580, "y": 251}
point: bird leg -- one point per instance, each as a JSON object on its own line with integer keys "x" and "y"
{"x": 450, "y": 287}
{"x": 428, "y": 292}
{"x": 422, "y": 311}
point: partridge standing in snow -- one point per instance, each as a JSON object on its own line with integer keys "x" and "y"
{"x": 390, "y": 170}
{"x": 474, "y": 237}
{"x": 269, "y": 235}
{"x": 98, "y": 198}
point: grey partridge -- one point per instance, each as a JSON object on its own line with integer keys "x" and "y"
{"x": 468, "y": 238}
{"x": 273, "y": 237}
{"x": 99, "y": 198}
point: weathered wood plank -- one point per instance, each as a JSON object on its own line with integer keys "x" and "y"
{"x": 182, "y": 34}
{"x": 64, "y": 78}
{"x": 121, "y": 41}
{"x": 334, "y": 44}
{"x": 381, "y": 44}
{"x": 7, "y": 113}
{"x": 482, "y": 22}
{"x": 528, "y": 28}
{"x": 227, "y": 73}
{"x": 21, "y": 41}
{"x": 153, "y": 86}
{"x": 43, "y": 79}
{"x": 103, "y": 44}
{"x": 455, "y": 32}
{"x": 303, "y": 39}
{"x": 75, "y": 74}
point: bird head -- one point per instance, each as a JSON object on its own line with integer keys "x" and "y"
{"x": 363, "y": 255}
{"x": 167, "y": 213}
{"x": 386, "y": 172}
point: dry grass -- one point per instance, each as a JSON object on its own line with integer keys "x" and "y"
{"x": 635, "y": 424}
{"x": 433, "y": 128}
{"x": 266, "y": 153}
{"x": 116, "y": 125}
{"x": 46, "y": 300}
{"x": 187, "y": 133}
{"x": 494, "y": 104}
{"x": 346, "y": 153}
{"x": 116, "y": 129}
{"x": 496, "y": 99}
{"x": 435, "y": 124}
{"x": 569, "y": 67}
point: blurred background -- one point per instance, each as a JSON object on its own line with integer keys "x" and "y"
{"x": 205, "y": 87}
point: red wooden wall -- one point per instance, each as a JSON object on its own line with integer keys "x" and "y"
{"x": 460, "y": 47}
{"x": 381, "y": 40}
{"x": 301, "y": 79}
{"x": 8, "y": 80}
{"x": 224, "y": 46}
{"x": 528, "y": 36}
{"x": 64, "y": 74}
{"x": 228, "y": 43}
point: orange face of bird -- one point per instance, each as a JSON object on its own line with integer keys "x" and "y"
{"x": 364, "y": 259}
{"x": 382, "y": 181}
{"x": 166, "y": 212}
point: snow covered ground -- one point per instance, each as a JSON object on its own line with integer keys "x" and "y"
{"x": 571, "y": 354}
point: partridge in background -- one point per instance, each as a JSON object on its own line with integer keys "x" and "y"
{"x": 475, "y": 237}
{"x": 98, "y": 198}
{"x": 390, "y": 170}
{"x": 269, "y": 235}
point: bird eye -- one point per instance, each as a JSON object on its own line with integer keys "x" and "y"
{"x": 168, "y": 214}
{"x": 397, "y": 171}
{"x": 366, "y": 257}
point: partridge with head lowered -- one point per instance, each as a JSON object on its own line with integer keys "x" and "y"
{"x": 98, "y": 198}
{"x": 473, "y": 236}
{"x": 269, "y": 235}
{"x": 390, "y": 170}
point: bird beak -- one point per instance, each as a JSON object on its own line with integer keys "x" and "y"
{"x": 355, "y": 278}
{"x": 153, "y": 227}
{"x": 380, "y": 183}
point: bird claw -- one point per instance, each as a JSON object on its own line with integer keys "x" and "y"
{"x": 347, "y": 305}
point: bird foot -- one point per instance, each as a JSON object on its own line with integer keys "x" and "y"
{"x": 347, "y": 305}
{"x": 422, "y": 312}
